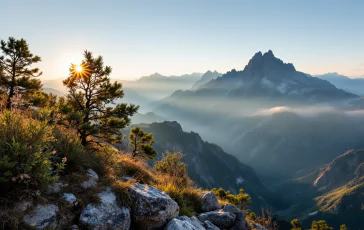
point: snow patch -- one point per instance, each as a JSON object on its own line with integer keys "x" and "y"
{"x": 265, "y": 82}
{"x": 313, "y": 213}
{"x": 239, "y": 180}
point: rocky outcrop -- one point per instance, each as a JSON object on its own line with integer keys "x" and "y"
{"x": 184, "y": 223}
{"x": 240, "y": 222}
{"x": 43, "y": 216}
{"x": 209, "y": 226}
{"x": 209, "y": 202}
{"x": 151, "y": 207}
{"x": 106, "y": 215}
{"x": 220, "y": 218}
{"x": 92, "y": 181}
{"x": 69, "y": 198}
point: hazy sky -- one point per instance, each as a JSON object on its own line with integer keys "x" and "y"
{"x": 174, "y": 37}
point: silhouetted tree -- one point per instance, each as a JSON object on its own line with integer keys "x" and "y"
{"x": 141, "y": 143}
{"x": 89, "y": 106}
{"x": 16, "y": 71}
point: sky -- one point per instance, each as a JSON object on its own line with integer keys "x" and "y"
{"x": 139, "y": 38}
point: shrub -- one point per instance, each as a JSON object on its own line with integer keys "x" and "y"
{"x": 241, "y": 200}
{"x": 320, "y": 225}
{"x": 67, "y": 144}
{"x": 136, "y": 168}
{"x": 172, "y": 166}
{"x": 26, "y": 155}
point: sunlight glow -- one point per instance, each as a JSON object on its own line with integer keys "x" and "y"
{"x": 78, "y": 68}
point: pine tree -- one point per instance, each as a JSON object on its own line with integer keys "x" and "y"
{"x": 90, "y": 107}
{"x": 16, "y": 71}
{"x": 141, "y": 143}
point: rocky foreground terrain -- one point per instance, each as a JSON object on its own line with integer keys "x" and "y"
{"x": 148, "y": 208}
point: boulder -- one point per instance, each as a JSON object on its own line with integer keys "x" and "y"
{"x": 43, "y": 216}
{"x": 258, "y": 226}
{"x": 151, "y": 207}
{"x": 209, "y": 226}
{"x": 107, "y": 214}
{"x": 184, "y": 223}
{"x": 92, "y": 181}
{"x": 240, "y": 221}
{"x": 56, "y": 187}
{"x": 69, "y": 198}
{"x": 23, "y": 205}
{"x": 209, "y": 202}
{"x": 220, "y": 218}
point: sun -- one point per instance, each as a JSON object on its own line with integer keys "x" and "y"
{"x": 78, "y": 68}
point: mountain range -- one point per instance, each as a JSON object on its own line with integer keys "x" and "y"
{"x": 209, "y": 166}
{"x": 352, "y": 85}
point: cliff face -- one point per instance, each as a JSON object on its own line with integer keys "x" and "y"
{"x": 209, "y": 166}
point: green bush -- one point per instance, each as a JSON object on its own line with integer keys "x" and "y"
{"x": 241, "y": 199}
{"x": 172, "y": 166}
{"x": 27, "y": 158}
{"x": 67, "y": 144}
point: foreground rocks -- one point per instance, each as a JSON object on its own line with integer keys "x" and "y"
{"x": 106, "y": 215}
{"x": 209, "y": 202}
{"x": 151, "y": 208}
{"x": 43, "y": 216}
{"x": 92, "y": 181}
{"x": 219, "y": 218}
{"x": 184, "y": 223}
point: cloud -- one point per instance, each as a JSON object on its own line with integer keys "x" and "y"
{"x": 303, "y": 111}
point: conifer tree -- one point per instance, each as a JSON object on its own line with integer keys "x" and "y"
{"x": 16, "y": 71}
{"x": 141, "y": 143}
{"x": 90, "y": 105}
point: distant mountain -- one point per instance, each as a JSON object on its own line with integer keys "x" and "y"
{"x": 209, "y": 166}
{"x": 352, "y": 85}
{"x": 157, "y": 86}
{"x": 333, "y": 192}
{"x": 288, "y": 145}
{"x": 55, "y": 84}
{"x": 207, "y": 77}
{"x": 147, "y": 118}
{"x": 53, "y": 91}
{"x": 265, "y": 82}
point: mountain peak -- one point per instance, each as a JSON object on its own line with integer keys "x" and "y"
{"x": 268, "y": 54}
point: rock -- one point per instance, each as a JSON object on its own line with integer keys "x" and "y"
{"x": 184, "y": 223}
{"x": 23, "y": 205}
{"x": 74, "y": 227}
{"x": 69, "y": 198}
{"x": 258, "y": 226}
{"x": 56, "y": 187}
{"x": 151, "y": 207}
{"x": 209, "y": 226}
{"x": 209, "y": 202}
{"x": 240, "y": 222}
{"x": 92, "y": 181}
{"x": 219, "y": 218}
{"x": 106, "y": 215}
{"x": 43, "y": 216}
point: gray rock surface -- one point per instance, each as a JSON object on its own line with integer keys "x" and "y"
{"x": 220, "y": 218}
{"x": 43, "y": 216}
{"x": 258, "y": 226}
{"x": 151, "y": 207}
{"x": 184, "y": 223}
{"x": 209, "y": 226}
{"x": 69, "y": 198}
{"x": 106, "y": 215}
{"x": 240, "y": 221}
{"x": 209, "y": 202}
{"x": 92, "y": 181}
{"x": 56, "y": 187}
